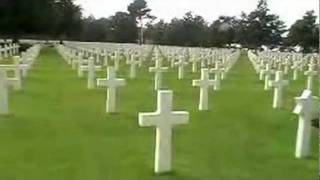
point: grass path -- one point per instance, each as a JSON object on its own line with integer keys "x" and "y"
{"x": 58, "y": 130}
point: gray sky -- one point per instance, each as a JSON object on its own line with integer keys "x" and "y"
{"x": 289, "y": 10}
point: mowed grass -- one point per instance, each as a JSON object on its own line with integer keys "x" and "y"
{"x": 58, "y": 129}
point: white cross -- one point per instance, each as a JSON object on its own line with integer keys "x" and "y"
{"x": 260, "y": 67}
{"x": 68, "y": 56}
{"x": 1, "y": 50}
{"x": 278, "y": 85}
{"x": 112, "y": 83}
{"x": 310, "y": 73}
{"x": 194, "y": 61}
{"x": 90, "y": 68}
{"x": 279, "y": 66}
{"x": 203, "y": 61}
{"x": 221, "y": 66}
{"x": 17, "y": 49}
{"x": 10, "y": 49}
{"x": 116, "y": 60}
{"x": 304, "y": 109}
{"x": 14, "y": 81}
{"x": 133, "y": 66}
{"x": 76, "y": 60}
{"x": 81, "y": 67}
{"x": 157, "y": 55}
{"x": 5, "y": 51}
{"x": 286, "y": 66}
{"x": 24, "y": 69}
{"x": 4, "y": 108}
{"x": 267, "y": 75}
{"x": 164, "y": 119}
{"x": 140, "y": 58}
{"x": 14, "y": 49}
{"x": 204, "y": 83}
{"x": 172, "y": 59}
{"x": 92, "y": 73}
{"x": 158, "y": 70}
{"x": 217, "y": 71}
{"x": 295, "y": 68}
{"x": 106, "y": 58}
{"x": 23, "y": 65}
{"x": 181, "y": 64}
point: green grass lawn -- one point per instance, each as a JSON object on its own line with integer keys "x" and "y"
{"x": 58, "y": 130}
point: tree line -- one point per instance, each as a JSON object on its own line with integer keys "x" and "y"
{"x": 63, "y": 19}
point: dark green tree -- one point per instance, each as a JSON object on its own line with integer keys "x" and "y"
{"x": 305, "y": 33}
{"x": 261, "y": 27}
{"x": 157, "y": 33}
{"x": 96, "y": 29}
{"x": 223, "y": 31}
{"x": 176, "y": 32}
{"x": 140, "y": 11}
{"x": 39, "y": 18}
{"x": 191, "y": 30}
{"x": 69, "y": 19}
{"x": 123, "y": 28}
{"x": 31, "y": 17}
{"x": 195, "y": 28}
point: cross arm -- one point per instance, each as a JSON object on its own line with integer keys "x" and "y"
{"x": 120, "y": 82}
{"x": 180, "y": 117}
{"x": 196, "y": 83}
{"x": 102, "y": 82}
{"x": 148, "y": 119}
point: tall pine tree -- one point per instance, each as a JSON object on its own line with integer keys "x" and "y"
{"x": 260, "y": 27}
{"x": 304, "y": 32}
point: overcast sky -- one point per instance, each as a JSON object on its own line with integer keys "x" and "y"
{"x": 289, "y": 10}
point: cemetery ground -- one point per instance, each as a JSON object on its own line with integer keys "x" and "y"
{"x": 58, "y": 129}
